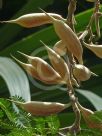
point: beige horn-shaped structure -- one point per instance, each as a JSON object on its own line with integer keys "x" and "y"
{"x": 68, "y": 37}
{"x": 96, "y": 49}
{"x": 38, "y": 108}
{"x": 33, "y": 20}
{"x": 40, "y": 70}
{"x": 58, "y": 64}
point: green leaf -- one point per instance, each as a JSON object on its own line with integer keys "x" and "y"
{"x": 15, "y": 78}
{"x": 93, "y": 98}
{"x": 91, "y": 0}
{"x": 32, "y": 42}
{"x": 89, "y": 132}
{"x": 97, "y": 117}
{"x": 53, "y": 124}
{"x": 82, "y": 23}
{"x": 99, "y": 114}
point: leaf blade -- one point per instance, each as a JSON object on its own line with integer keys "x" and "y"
{"x": 93, "y": 98}
{"x": 15, "y": 78}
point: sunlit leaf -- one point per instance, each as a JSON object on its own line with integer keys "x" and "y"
{"x": 15, "y": 78}
{"x": 92, "y": 97}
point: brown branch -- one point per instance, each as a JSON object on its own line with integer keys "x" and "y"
{"x": 70, "y": 17}
{"x": 75, "y": 128}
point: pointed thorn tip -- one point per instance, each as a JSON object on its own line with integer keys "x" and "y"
{"x": 23, "y": 54}
{"x": 43, "y": 43}
{"x": 50, "y": 17}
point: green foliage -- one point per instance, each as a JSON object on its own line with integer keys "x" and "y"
{"x": 93, "y": 98}
{"x": 97, "y": 117}
{"x": 24, "y": 124}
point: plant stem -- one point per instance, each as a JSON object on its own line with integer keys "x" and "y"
{"x": 60, "y": 134}
{"x": 71, "y": 21}
{"x": 75, "y": 128}
{"x": 96, "y": 10}
{"x": 70, "y": 18}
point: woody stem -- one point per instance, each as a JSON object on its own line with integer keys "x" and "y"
{"x": 75, "y": 128}
{"x": 96, "y": 10}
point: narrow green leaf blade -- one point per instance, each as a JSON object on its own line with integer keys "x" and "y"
{"x": 93, "y": 98}
{"x": 10, "y": 31}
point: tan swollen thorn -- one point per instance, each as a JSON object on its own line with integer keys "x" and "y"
{"x": 45, "y": 72}
{"x": 96, "y": 49}
{"x": 82, "y": 73}
{"x": 28, "y": 68}
{"x": 33, "y": 20}
{"x": 68, "y": 37}
{"x": 38, "y": 108}
{"x": 58, "y": 64}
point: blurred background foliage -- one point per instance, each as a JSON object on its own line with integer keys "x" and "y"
{"x": 12, "y": 9}
{"x": 14, "y": 37}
